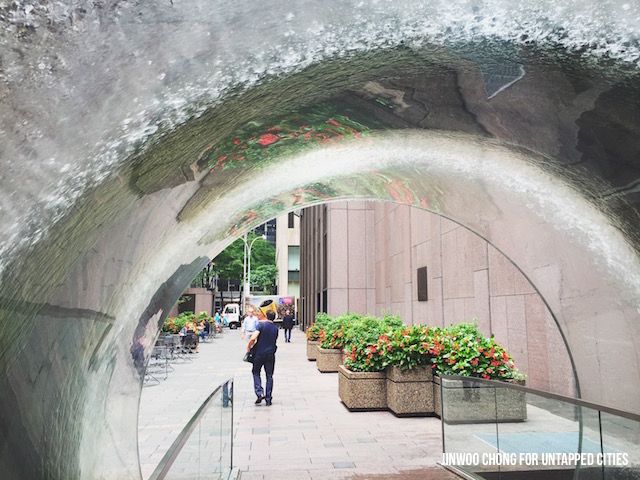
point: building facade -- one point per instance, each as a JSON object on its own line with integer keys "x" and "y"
{"x": 374, "y": 257}
{"x": 287, "y": 228}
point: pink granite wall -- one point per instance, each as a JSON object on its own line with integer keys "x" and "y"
{"x": 350, "y": 267}
{"x": 382, "y": 245}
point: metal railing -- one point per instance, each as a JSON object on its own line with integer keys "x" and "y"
{"x": 499, "y": 430}
{"x": 204, "y": 447}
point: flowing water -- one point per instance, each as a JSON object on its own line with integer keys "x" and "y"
{"x": 87, "y": 85}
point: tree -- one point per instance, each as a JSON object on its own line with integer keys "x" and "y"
{"x": 264, "y": 277}
{"x": 229, "y": 263}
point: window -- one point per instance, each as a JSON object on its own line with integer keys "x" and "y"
{"x": 294, "y": 257}
{"x": 294, "y": 275}
{"x": 422, "y": 284}
{"x": 291, "y": 219}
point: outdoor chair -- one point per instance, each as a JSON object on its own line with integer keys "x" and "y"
{"x": 158, "y": 365}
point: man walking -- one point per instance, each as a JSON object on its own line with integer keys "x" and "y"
{"x": 287, "y": 324}
{"x": 249, "y": 324}
{"x": 264, "y": 339}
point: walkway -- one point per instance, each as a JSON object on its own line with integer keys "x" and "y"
{"x": 306, "y": 434}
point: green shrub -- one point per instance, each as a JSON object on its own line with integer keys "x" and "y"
{"x": 313, "y": 332}
{"x": 175, "y": 324}
{"x": 463, "y": 350}
{"x": 332, "y": 333}
{"x": 371, "y": 344}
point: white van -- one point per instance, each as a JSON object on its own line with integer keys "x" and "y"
{"x": 232, "y": 311}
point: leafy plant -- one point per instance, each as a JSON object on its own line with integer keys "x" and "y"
{"x": 462, "y": 350}
{"x": 456, "y": 350}
{"x": 409, "y": 346}
{"x": 332, "y": 334}
{"x": 362, "y": 329}
{"x": 175, "y": 324}
{"x": 366, "y": 357}
{"x": 313, "y": 332}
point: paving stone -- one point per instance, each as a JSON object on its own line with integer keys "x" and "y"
{"x": 344, "y": 465}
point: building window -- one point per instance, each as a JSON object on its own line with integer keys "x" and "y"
{"x": 291, "y": 219}
{"x": 422, "y": 284}
{"x": 294, "y": 257}
{"x": 294, "y": 275}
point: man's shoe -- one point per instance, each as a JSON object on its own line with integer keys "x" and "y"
{"x": 268, "y": 402}
{"x": 259, "y": 400}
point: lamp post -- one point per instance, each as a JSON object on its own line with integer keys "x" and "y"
{"x": 247, "y": 262}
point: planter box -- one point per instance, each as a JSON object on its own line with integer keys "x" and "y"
{"x": 410, "y": 392}
{"x": 361, "y": 391}
{"x": 481, "y": 405}
{"x": 312, "y": 349}
{"x": 328, "y": 359}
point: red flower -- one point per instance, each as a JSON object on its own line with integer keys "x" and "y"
{"x": 485, "y": 376}
{"x": 236, "y": 141}
{"x": 474, "y": 362}
{"x": 333, "y": 122}
{"x": 220, "y": 161}
{"x": 505, "y": 357}
{"x": 267, "y": 139}
{"x": 495, "y": 363}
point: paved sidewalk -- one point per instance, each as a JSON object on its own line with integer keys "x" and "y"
{"x": 306, "y": 434}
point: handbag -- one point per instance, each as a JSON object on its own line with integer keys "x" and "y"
{"x": 248, "y": 357}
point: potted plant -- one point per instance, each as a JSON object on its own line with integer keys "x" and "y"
{"x": 462, "y": 350}
{"x": 362, "y": 380}
{"x": 409, "y": 382}
{"x": 331, "y": 337}
{"x": 313, "y": 335}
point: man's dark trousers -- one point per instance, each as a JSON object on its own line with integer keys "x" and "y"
{"x": 269, "y": 362}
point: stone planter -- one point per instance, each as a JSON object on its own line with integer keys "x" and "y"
{"x": 328, "y": 359}
{"x": 312, "y": 350}
{"x": 410, "y": 392}
{"x": 362, "y": 391}
{"x": 481, "y": 405}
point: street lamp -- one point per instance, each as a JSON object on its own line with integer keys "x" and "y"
{"x": 247, "y": 262}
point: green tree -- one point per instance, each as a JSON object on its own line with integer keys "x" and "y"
{"x": 264, "y": 277}
{"x": 229, "y": 263}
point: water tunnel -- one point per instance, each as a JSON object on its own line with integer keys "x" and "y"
{"x": 139, "y": 139}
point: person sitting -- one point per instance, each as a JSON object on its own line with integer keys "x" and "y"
{"x": 191, "y": 338}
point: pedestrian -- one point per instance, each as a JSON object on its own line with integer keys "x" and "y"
{"x": 249, "y": 324}
{"x": 264, "y": 355}
{"x": 287, "y": 324}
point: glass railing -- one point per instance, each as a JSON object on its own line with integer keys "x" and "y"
{"x": 497, "y": 430}
{"x": 204, "y": 448}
